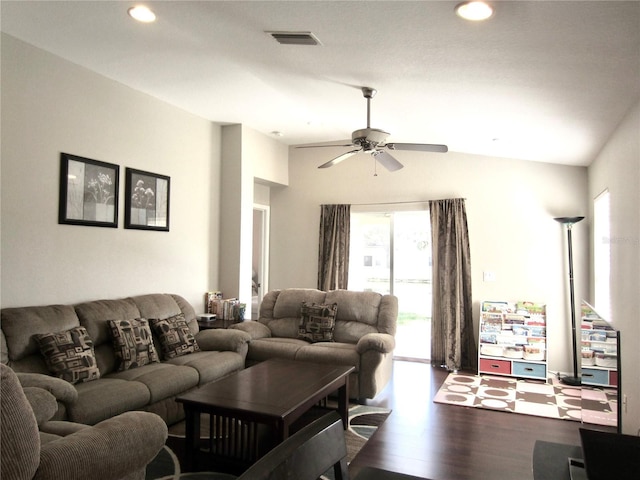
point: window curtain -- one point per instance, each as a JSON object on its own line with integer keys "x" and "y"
{"x": 333, "y": 258}
{"x": 452, "y": 338}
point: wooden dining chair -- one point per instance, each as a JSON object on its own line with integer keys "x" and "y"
{"x": 306, "y": 454}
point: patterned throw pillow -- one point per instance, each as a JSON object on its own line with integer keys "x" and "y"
{"x": 69, "y": 355}
{"x": 133, "y": 343}
{"x": 317, "y": 322}
{"x": 175, "y": 336}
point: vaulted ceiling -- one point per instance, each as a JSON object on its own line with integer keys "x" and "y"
{"x": 540, "y": 80}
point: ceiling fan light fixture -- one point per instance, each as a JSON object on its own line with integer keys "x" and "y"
{"x": 475, "y": 11}
{"x": 142, "y": 14}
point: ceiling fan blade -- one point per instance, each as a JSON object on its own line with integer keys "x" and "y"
{"x": 386, "y": 160}
{"x": 339, "y": 158}
{"x": 321, "y": 146}
{"x": 418, "y": 147}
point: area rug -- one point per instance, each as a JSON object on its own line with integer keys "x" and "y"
{"x": 531, "y": 397}
{"x": 363, "y": 422}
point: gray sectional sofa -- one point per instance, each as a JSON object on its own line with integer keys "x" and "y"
{"x": 363, "y": 334}
{"x": 105, "y": 389}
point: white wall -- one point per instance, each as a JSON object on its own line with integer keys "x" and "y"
{"x": 510, "y": 208}
{"x": 247, "y": 156}
{"x": 50, "y": 106}
{"x": 618, "y": 169}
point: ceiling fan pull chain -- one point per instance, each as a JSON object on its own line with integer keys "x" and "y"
{"x": 375, "y": 166}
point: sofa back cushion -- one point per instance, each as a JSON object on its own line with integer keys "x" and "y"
{"x": 160, "y": 307}
{"x": 95, "y": 316}
{"x": 285, "y": 307}
{"x": 358, "y": 313}
{"x": 20, "y": 325}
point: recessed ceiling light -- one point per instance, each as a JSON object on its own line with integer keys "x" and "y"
{"x": 474, "y": 11}
{"x": 142, "y": 14}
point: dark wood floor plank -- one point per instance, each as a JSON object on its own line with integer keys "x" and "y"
{"x": 447, "y": 442}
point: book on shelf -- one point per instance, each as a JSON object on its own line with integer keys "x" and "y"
{"x": 210, "y": 301}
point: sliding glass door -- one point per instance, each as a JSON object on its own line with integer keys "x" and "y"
{"x": 390, "y": 253}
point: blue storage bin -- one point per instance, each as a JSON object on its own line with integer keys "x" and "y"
{"x": 595, "y": 376}
{"x": 530, "y": 370}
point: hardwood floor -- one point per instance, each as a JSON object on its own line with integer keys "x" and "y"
{"x": 447, "y": 442}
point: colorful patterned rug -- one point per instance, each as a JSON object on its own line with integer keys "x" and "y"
{"x": 552, "y": 399}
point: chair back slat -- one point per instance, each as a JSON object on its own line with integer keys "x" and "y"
{"x": 306, "y": 454}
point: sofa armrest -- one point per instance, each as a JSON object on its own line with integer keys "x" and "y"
{"x": 222, "y": 340}
{"x": 112, "y": 449}
{"x": 59, "y": 388}
{"x": 380, "y": 342}
{"x": 43, "y": 404}
{"x": 253, "y": 328}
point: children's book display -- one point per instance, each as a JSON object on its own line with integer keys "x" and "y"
{"x": 599, "y": 349}
{"x": 513, "y": 339}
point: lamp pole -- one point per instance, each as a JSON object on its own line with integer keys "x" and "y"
{"x": 568, "y": 222}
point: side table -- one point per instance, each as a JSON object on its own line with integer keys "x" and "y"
{"x": 205, "y": 324}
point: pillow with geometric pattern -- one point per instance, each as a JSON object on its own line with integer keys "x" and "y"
{"x": 317, "y": 322}
{"x": 69, "y": 355}
{"x": 175, "y": 336}
{"x": 133, "y": 343}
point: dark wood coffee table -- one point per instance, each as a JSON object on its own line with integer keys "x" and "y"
{"x": 259, "y": 402}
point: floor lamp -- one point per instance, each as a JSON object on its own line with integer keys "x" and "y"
{"x": 568, "y": 222}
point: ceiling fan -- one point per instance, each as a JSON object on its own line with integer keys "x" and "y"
{"x": 372, "y": 141}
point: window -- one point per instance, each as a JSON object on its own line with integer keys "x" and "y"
{"x": 602, "y": 254}
{"x": 390, "y": 253}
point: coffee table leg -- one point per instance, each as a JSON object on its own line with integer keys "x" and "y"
{"x": 343, "y": 403}
{"x": 191, "y": 439}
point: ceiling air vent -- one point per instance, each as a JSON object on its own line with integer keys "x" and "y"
{"x": 295, "y": 38}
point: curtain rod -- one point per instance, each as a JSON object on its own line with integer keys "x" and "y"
{"x": 398, "y": 203}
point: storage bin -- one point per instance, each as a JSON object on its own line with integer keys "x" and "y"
{"x": 513, "y": 352}
{"x": 595, "y": 376}
{"x": 533, "y": 352}
{"x": 606, "y": 360}
{"x": 588, "y": 358}
{"x": 488, "y": 365}
{"x": 492, "y": 350}
{"x": 534, "y": 370}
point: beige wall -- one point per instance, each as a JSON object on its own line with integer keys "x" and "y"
{"x": 510, "y": 207}
{"x": 618, "y": 169}
{"x": 247, "y": 157}
{"x": 51, "y": 106}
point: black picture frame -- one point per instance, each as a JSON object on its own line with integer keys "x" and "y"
{"x": 88, "y": 192}
{"x": 146, "y": 200}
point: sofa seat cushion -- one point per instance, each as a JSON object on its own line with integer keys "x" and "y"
{"x": 211, "y": 366}
{"x": 162, "y": 379}
{"x": 265, "y": 348}
{"x": 106, "y": 398}
{"x": 330, "y": 353}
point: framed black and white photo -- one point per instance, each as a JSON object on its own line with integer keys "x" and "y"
{"x": 146, "y": 200}
{"x": 88, "y": 192}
